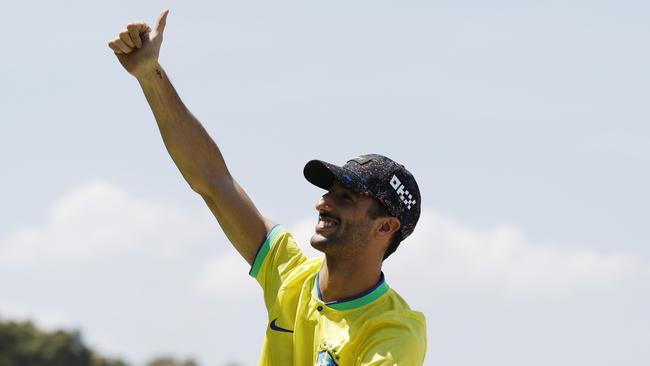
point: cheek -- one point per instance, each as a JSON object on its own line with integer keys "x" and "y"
{"x": 361, "y": 225}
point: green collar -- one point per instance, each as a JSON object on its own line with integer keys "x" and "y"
{"x": 357, "y": 301}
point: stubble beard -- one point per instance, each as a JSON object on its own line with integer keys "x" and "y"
{"x": 344, "y": 242}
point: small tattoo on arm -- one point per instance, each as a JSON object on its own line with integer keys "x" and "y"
{"x": 159, "y": 73}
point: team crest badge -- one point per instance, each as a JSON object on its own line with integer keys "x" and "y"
{"x": 328, "y": 353}
{"x": 325, "y": 359}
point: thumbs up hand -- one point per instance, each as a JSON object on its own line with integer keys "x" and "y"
{"x": 137, "y": 46}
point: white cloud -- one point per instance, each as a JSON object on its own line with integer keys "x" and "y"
{"x": 99, "y": 219}
{"x": 216, "y": 280}
{"x": 446, "y": 254}
{"x": 225, "y": 277}
{"x": 44, "y": 318}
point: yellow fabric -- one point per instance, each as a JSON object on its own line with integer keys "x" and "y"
{"x": 306, "y": 331}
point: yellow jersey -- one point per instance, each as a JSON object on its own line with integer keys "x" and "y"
{"x": 374, "y": 328}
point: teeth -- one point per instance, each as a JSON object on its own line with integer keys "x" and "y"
{"x": 327, "y": 223}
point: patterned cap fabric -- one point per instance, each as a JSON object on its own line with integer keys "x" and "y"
{"x": 375, "y": 176}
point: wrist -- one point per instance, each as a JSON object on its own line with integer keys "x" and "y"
{"x": 151, "y": 72}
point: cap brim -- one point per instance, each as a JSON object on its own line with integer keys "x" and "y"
{"x": 321, "y": 174}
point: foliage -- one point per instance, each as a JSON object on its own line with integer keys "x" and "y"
{"x": 22, "y": 344}
{"x": 168, "y": 361}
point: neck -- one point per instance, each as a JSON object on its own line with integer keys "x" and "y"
{"x": 340, "y": 279}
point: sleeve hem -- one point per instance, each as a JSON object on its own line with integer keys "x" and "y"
{"x": 263, "y": 250}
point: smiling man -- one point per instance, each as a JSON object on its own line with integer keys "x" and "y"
{"x": 336, "y": 310}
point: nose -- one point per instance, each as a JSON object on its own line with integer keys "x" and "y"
{"x": 324, "y": 203}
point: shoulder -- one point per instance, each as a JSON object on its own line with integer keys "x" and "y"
{"x": 302, "y": 272}
{"x": 398, "y": 322}
{"x": 278, "y": 249}
{"x": 396, "y": 336}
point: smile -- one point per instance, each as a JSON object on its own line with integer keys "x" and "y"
{"x": 326, "y": 222}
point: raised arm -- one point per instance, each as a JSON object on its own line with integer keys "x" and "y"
{"x": 196, "y": 155}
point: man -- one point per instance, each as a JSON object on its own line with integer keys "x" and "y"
{"x": 332, "y": 311}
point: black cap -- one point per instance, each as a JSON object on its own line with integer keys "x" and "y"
{"x": 375, "y": 176}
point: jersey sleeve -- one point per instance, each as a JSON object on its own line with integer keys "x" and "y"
{"x": 276, "y": 258}
{"x": 395, "y": 343}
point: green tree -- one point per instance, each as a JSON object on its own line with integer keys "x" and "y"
{"x": 22, "y": 344}
{"x": 168, "y": 361}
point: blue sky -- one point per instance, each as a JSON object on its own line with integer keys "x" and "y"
{"x": 525, "y": 123}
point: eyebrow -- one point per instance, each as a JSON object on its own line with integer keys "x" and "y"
{"x": 341, "y": 189}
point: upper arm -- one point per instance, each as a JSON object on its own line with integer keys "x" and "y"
{"x": 240, "y": 220}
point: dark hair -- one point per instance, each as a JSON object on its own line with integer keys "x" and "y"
{"x": 377, "y": 210}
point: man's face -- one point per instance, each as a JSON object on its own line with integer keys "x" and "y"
{"x": 343, "y": 223}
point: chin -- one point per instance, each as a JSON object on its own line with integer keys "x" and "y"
{"x": 317, "y": 241}
{"x": 320, "y": 242}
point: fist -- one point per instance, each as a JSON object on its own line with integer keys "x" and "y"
{"x": 137, "y": 46}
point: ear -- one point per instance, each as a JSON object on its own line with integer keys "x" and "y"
{"x": 387, "y": 227}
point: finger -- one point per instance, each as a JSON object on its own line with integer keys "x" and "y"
{"x": 122, "y": 46}
{"x": 135, "y": 30}
{"x": 114, "y": 47}
{"x": 126, "y": 38}
{"x": 162, "y": 21}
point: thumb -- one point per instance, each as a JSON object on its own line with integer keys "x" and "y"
{"x": 162, "y": 20}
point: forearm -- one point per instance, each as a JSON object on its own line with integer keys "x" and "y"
{"x": 200, "y": 162}
{"x": 194, "y": 152}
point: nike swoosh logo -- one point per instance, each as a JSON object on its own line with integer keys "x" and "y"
{"x": 279, "y": 329}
